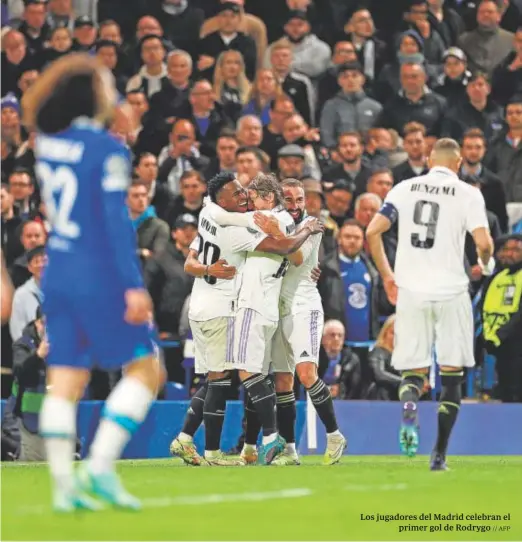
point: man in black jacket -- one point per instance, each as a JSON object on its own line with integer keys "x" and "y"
{"x": 507, "y": 77}
{"x": 169, "y": 286}
{"x": 473, "y": 150}
{"x": 34, "y": 27}
{"x": 228, "y": 37}
{"x": 451, "y": 84}
{"x": 415, "y": 146}
{"x": 11, "y": 246}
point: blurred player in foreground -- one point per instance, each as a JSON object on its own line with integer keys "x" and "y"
{"x": 430, "y": 285}
{"x": 7, "y": 292}
{"x": 94, "y": 299}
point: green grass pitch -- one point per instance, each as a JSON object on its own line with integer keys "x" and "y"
{"x": 310, "y": 502}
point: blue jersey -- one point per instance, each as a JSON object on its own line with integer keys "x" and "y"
{"x": 84, "y": 175}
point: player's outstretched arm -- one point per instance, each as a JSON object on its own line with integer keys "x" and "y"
{"x": 484, "y": 245}
{"x": 225, "y": 218}
{"x": 288, "y": 245}
{"x": 379, "y": 225}
{"x": 219, "y": 269}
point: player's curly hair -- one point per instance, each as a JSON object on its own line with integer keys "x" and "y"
{"x": 265, "y": 184}
{"x": 218, "y": 182}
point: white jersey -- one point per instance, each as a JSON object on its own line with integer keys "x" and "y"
{"x": 262, "y": 276}
{"x": 212, "y": 297}
{"x": 435, "y": 211}
{"x": 299, "y": 292}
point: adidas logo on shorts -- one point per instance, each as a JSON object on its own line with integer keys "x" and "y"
{"x": 304, "y": 354}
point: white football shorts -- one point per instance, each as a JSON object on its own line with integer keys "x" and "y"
{"x": 297, "y": 340}
{"x": 213, "y": 344}
{"x": 253, "y": 336}
{"x": 422, "y": 324}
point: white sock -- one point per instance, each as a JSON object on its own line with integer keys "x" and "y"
{"x": 183, "y": 437}
{"x": 125, "y": 410}
{"x": 58, "y": 428}
{"x": 290, "y": 447}
{"x": 336, "y": 433}
{"x": 211, "y": 453}
{"x": 270, "y": 438}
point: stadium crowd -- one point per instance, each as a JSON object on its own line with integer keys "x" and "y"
{"x": 347, "y": 96}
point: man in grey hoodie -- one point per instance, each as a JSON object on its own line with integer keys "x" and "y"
{"x": 351, "y": 110}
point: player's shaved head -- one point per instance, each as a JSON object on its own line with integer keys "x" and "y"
{"x": 446, "y": 153}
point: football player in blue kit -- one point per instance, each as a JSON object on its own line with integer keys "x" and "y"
{"x": 95, "y": 302}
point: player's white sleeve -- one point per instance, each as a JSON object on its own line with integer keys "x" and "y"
{"x": 195, "y": 245}
{"x": 476, "y": 216}
{"x": 224, "y": 218}
{"x": 243, "y": 239}
{"x": 308, "y": 246}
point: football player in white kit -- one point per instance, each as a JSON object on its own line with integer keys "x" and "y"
{"x": 430, "y": 285}
{"x": 258, "y": 310}
{"x": 218, "y": 263}
{"x": 298, "y": 339}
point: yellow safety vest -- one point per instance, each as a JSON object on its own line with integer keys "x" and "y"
{"x": 501, "y": 302}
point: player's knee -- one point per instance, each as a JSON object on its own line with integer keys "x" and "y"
{"x": 284, "y": 382}
{"x": 307, "y": 373}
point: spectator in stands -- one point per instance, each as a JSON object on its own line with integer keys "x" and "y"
{"x": 161, "y": 198}
{"x": 249, "y": 163}
{"x": 249, "y": 131}
{"x": 28, "y": 297}
{"x": 414, "y": 143}
{"x": 263, "y": 92}
{"x": 387, "y": 379}
{"x": 32, "y": 235}
{"x": 349, "y": 285}
{"x": 366, "y": 207}
{"x": 477, "y": 110}
{"x": 140, "y": 105}
{"x": 295, "y": 85}
{"x": 414, "y": 103}
{"x": 328, "y": 87}
{"x": 152, "y": 233}
{"x": 290, "y": 162}
{"x": 107, "y": 53}
{"x": 11, "y": 246}
{"x": 207, "y": 116}
{"x": 507, "y": 77}
{"x": 380, "y": 182}
{"x": 190, "y": 199}
{"x": 15, "y": 60}
{"x": 60, "y": 13}
{"x": 60, "y": 44}
{"x": 84, "y": 34}
{"x": 147, "y": 26}
{"x": 110, "y": 30}
{"x": 231, "y": 86}
{"x": 311, "y": 56}
{"x": 153, "y": 74}
{"x": 504, "y": 155}
{"x": 339, "y": 197}
{"x": 503, "y": 296}
{"x": 314, "y": 203}
{"x": 11, "y": 125}
{"x": 26, "y": 80}
{"x": 249, "y": 24}
{"x": 351, "y": 168}
{"x": 445, "y": 20}
{"x": 371, "y": 51}
{"x": 378, "y": 145}
{"x": 225, "y": 160}
{"x": 227, "y": 37}
{"x": 339, "y": 366}
{"x": 416, "y": 18}
{"x": 169, "y": 286}
{"x": 181, "y": 23}
{"x": 29, "y": 368}
{"x": 21, "y": 188}
{"x": 180, "y": 155}
{"x": 295, "y": 131}
{"x": 488, "y": 45}
{"x": 351, "y": 110}
{"x": 34, "y": 26}
{"x": 452, "y": 83}
{"x": 281, "y": 109}
{"x": 473, "y": 150}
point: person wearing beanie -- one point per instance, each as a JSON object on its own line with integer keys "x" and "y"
{"x": 452, "y": 82}
{"x": 311, "y": 56}
{"x": 11, "y": 126}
